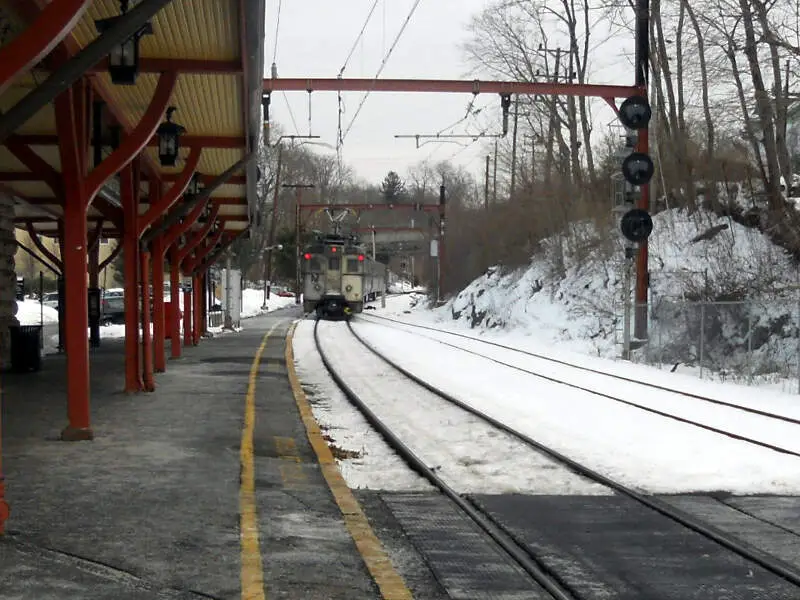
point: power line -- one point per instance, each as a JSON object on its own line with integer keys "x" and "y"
{"x": 277, "y": 28}
{"x": 383, "y": 64}
{"x": 358, "y": 39}
{"x": 291, "y": 113}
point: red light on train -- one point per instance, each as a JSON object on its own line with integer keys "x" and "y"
{"x": 361, "y": 258}
{"x": 307, "y": 256}
{"x": 333, "y": 248}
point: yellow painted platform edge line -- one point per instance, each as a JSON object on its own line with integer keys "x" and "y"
{"x": 388, "y": 580}
{"x": 252, "y": 566}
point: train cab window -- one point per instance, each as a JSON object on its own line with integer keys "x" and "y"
{"x": 333, "y": 263}
{"x": 352, "y": 265}
{"x": 315, "y": 265}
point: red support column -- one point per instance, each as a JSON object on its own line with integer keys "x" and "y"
{"x": 147, "y": 337}
{"x": 198, "y": 310}
{"x": 159, "y": 330}
{"x": 174, "y": 296}
{"x": 73, "y": 148}
{"x": 130, "y": 252}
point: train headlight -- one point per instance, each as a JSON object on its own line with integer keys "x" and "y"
{"x": 349, "y": 288}
{"x": 318, "y": 287}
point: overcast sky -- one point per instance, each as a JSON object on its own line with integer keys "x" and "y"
{"x": 313, "y": 40}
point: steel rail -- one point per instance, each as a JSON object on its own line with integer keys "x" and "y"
{"x": 655, "y": 386}
{"x": 539, "y": 573}
{"x": 770, "y": 563}
{"x": 655, "y": 411}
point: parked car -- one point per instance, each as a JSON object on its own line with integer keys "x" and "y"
{"x": 284, "y": 293}
{"x": 51, "y": 300}
{"x": 113, "y": 305}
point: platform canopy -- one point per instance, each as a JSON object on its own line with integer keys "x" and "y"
{"x": 216, "y": 49}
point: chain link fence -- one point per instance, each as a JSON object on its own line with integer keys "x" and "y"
{"x": 751, "y": 341}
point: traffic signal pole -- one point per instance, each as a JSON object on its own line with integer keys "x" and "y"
{"x": 642, "y": 60}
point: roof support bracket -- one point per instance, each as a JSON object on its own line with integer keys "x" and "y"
{"x": 215, "y": 254}
{"x": 73, "y": 69}
{"x": 160, "y": 206}
{"x": 52, "y": 25}
{"x": 198, "y": 236}
{"x": 191, "y": 210}
{"x": 211, "y": 243}
{"x": 38, "y": 166}
{"x": 42, "y": 248}
{"x": 132, "y": 145}
{"x": 41, "y": 259}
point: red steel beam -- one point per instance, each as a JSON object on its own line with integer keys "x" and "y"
{"x": 187, "y": 141}
{"x": 50, "y": 26}
{"x": 165, "y": 202}
{"x": 191, "y": 264}
{"x": 198, "y": 236}
{"x": 449, "y": 86}
{"x": 176, "y": 231}
{"x": 230, "y": 237}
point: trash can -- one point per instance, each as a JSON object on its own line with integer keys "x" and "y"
{"x": 26, "y": 353}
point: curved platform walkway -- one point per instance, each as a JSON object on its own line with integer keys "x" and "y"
{"x": 207, "y": 488}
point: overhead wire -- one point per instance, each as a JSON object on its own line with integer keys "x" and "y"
{"x": 340, "y": 101}
{"x": 277, "y": 29}
{"x": 358, "y": 38}
{"x": 382, "y": 66}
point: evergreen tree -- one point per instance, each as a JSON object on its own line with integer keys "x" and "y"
{"x": 393, "y": 189}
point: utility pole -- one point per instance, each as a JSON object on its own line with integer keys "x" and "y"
{"x": 486, "y": 185}
{"x": 442, "y": 192}
{"x": 271, "y": 237}
{"x": 298, "y": 187}
{"x": 514, "y": 149}
{"x": 494, "y": 176}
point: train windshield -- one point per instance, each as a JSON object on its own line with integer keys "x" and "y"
{"x": 353, "y": 265}
{"x": 333, "y": 264}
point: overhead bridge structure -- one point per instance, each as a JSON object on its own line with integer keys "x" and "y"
{"x": 133, "y": 122}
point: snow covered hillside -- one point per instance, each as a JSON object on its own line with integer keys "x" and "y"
{"x": 709, "y": 275}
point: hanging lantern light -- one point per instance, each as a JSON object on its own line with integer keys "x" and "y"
{"x": 123, "y": 61}
{"x": 169, "y": 143}
{"x": 194, "y": 185}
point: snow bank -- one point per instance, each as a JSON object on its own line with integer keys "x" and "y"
{"x": 30, "y": 312}
{"x": 572, "y": 295}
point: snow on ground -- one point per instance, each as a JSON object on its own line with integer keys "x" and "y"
{"x": 641, "y": 449}
{"x": 30, "y": 312}
{"x": 345, "y": 426}
{"x": 470, "y": 455}
{"x": 253, "y": 303}
{"x": 751, "y": 337}
{"x": 637, "y": 448}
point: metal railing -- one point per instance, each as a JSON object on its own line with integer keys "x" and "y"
{"x": 755, "y": 341}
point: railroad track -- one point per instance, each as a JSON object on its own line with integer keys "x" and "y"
{"x": 545, "y": 577}
{"x": 778, "y": 418}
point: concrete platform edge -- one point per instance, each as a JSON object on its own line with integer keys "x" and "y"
{"x": 391, "y": 584}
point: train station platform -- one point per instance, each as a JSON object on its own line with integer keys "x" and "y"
{"x": 207, "y": 488}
